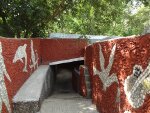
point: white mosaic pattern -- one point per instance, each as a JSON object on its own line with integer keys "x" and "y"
{"x": 3, "y": 91}
{"x": 127, "y": 111}
{"x": 137, "y": 86}
{"x": 20, "y": 54}
{"x": 34, "y": 57}
{"x": 104, "y": 74}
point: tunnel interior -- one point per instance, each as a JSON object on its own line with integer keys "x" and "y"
{"x": 66, "y": 77}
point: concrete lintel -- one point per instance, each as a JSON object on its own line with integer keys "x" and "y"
{"x": 66, "y": 61}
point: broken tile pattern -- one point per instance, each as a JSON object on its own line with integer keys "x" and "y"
{"x": 20, "y": 54}
{"x": 107, "y": 80}
{"x": 3, "y": 90}
{"x": 137, "y": 86}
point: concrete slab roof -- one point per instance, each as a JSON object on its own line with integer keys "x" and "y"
{"x": 66, "y": 61}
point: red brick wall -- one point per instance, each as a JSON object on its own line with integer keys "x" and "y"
{"x": 129, "y": 52}
{"x": 15, "y": 70}
{"x": 61, "y": 49}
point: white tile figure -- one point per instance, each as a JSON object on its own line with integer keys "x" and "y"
{"x": 20, "y": 54}
{"x": 137, "y": 86}
{"x": 127, "y": 111}
{"x": 3, "y": 91}
{"x": 34, "y": 57}
{"x": 104, "y": 73}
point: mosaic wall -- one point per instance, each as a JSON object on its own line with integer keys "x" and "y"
{"x": 119, "y": 69}
{"x": 15, "y": 56}
{"x": 120, "y": 74}
{"x": 3, "y": 91}
{"x": 20, "y": 57}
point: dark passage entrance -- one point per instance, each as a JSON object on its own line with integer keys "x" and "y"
{"x": 65, "y": 79}
{"x": 65, "y": 97}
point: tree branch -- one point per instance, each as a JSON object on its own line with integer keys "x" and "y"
{"x": 59, "y": 10}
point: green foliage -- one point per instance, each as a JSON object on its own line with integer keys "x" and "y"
{"x": 29, "y": 17}
{"x": 38, "y": 18}
{"x": 139, "y": 21}
{"x": 104, "y": 17}
{"x": 91, "y": 17}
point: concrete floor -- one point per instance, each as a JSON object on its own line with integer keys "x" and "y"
{"x": 67, "y": 103}
{"x": 64, "y": 99}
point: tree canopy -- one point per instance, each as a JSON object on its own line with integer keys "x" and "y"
{"x": 37, "y": 18}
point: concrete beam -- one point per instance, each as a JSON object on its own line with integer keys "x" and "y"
{"x": 67, "y": 61}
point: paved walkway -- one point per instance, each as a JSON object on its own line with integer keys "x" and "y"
{"x": 64, "y": 99}
{"x": 67, "y": 103}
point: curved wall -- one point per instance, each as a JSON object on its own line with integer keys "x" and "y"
{"x": 119, "y": 71}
